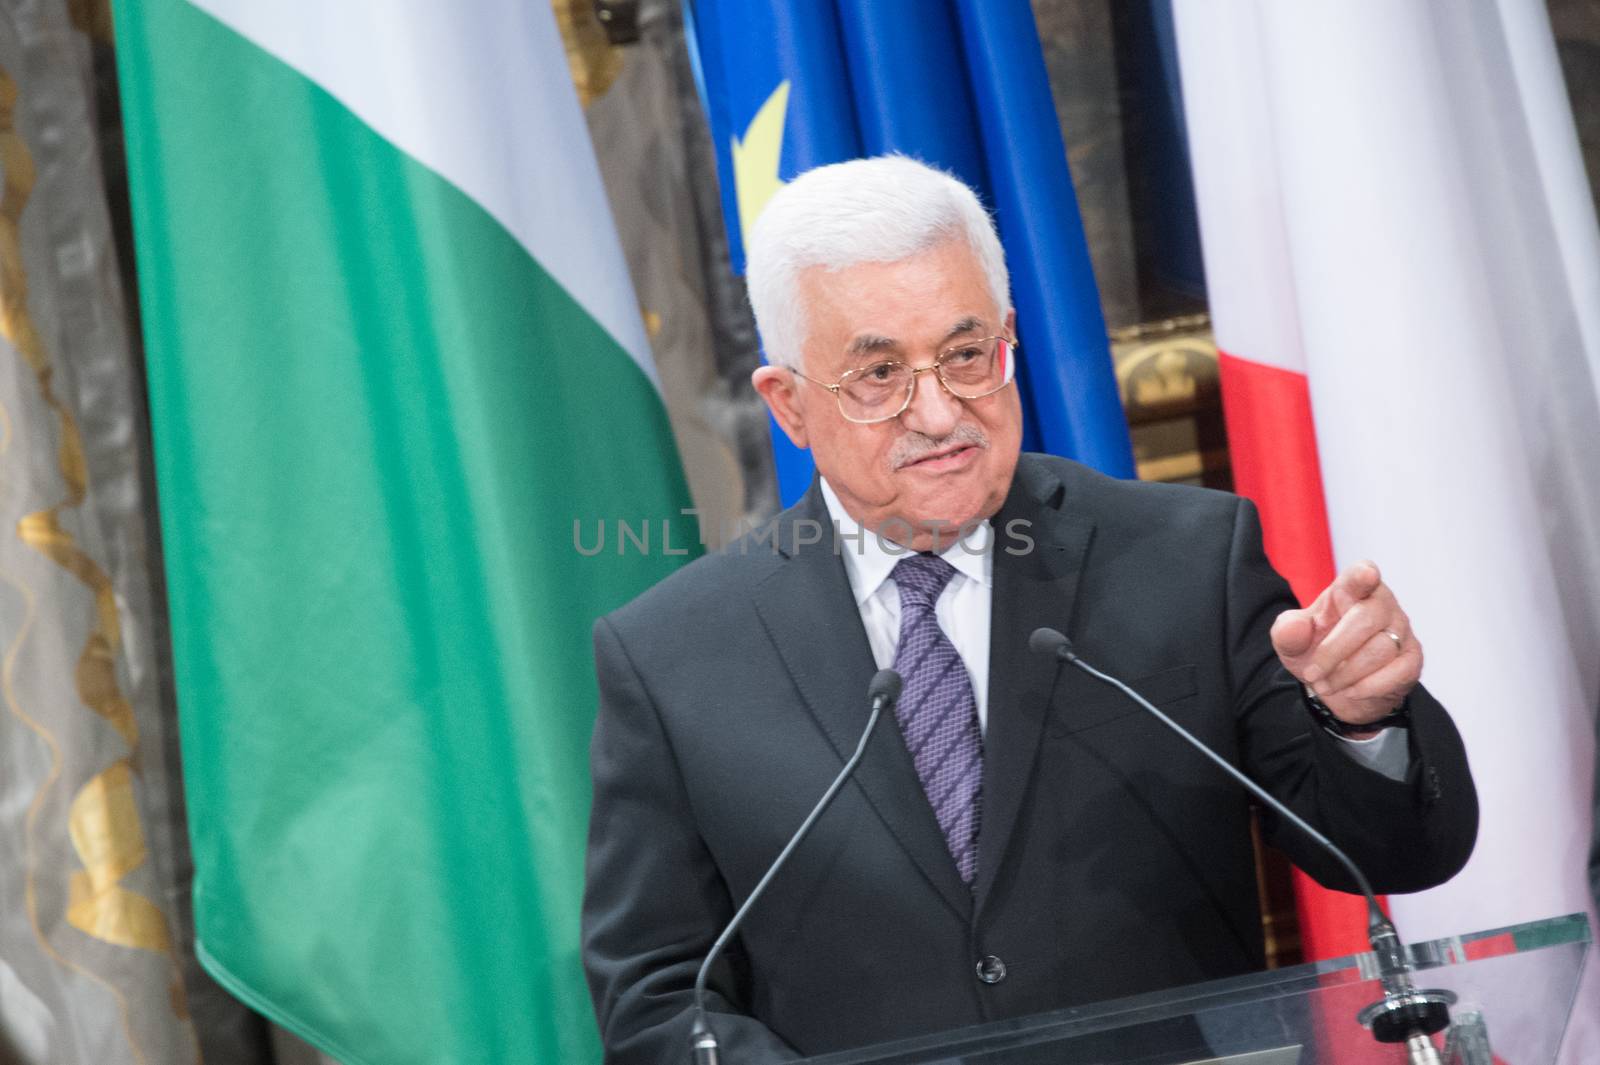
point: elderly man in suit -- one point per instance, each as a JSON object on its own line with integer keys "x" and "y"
{"x": 1018, "y": 838}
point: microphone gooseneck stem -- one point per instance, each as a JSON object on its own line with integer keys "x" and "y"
{"x": 703, "y": 1040}
{"x": 1375, "y": 916}
{"x": 1405, "y": 1015}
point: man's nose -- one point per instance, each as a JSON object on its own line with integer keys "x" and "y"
{"x": 933, "y": 412}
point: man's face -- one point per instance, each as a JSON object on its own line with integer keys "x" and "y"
{"x": 944, "y": 460}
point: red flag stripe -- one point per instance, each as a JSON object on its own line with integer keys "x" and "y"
{"x": 1273, "y": 444}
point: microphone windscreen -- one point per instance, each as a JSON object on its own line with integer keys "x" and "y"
{"x": 885, "y": 685}
{"x": 1048, "y": 642}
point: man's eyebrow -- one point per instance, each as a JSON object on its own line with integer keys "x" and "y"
{"x": 873, "y": 344}
{"x": 870, "y": 344}
{"x": 970, "y": 324}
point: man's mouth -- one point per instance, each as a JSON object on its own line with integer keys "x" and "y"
{"x": 941, "y": 458}
{"x": 955, "y": 450}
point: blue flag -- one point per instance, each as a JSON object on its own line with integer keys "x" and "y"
{"x": 960, "y": 84}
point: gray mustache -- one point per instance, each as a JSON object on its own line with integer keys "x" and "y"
{"x": 915, "y": 446}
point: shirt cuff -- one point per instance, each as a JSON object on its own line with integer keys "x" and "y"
{"x": 1388, "y": 753}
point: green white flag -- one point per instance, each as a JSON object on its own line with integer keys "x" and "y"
{"x": 393, "y": 357}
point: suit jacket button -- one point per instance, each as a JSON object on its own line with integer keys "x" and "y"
{"x": 991, "y": 970}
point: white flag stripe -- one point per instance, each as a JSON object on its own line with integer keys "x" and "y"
{"x": 450, "y": 85}
{"x": 1442, "y": 273}
{"x": 1567, "y": 191}
{"x": 1252, "y": 296}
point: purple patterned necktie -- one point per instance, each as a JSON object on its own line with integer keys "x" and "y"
{"x": 937, "y": 711}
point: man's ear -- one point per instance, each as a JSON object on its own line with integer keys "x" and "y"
{"x": 1011, "y": 323}
{"x": 777, "y": 386}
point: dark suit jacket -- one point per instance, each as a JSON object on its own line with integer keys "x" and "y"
{"x": 1113, "y": 859}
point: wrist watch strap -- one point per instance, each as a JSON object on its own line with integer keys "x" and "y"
{"x": 1331, "y": 723}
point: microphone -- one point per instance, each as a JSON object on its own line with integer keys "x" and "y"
{"x": 883, "y": 691}
{"x": 1405, "y": 1015}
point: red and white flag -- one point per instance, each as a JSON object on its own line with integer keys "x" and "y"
{"x": 1404, "y": 271}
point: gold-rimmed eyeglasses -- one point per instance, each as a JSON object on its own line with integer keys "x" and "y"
{"x": 882, "y": 390}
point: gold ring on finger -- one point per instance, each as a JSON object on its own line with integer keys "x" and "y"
{"x": 1399, "y": 644}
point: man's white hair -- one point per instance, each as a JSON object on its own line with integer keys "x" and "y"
{"x": 882, "y": 209}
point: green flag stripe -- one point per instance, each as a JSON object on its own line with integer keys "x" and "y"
{"x": 376, "y": 420}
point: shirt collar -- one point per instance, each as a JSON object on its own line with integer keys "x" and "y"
{"x": 869, "y": 560}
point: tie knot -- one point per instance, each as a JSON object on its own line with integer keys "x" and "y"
{"x": 921, "y": 578}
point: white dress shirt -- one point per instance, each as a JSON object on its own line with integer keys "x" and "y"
{"x": 963, "y": 613}
{"x": 962, "y": 609}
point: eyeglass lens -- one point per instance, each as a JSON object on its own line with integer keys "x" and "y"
{"x": 970, "y": 370}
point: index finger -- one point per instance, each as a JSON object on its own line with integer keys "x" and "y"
{"x": 1358, "y": 581}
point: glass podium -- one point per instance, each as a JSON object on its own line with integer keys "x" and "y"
{"x": 1512, "y": 990}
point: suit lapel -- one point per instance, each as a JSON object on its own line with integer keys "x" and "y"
{"x": 1032, "y": 588}
{"x": 811, "y": 616}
